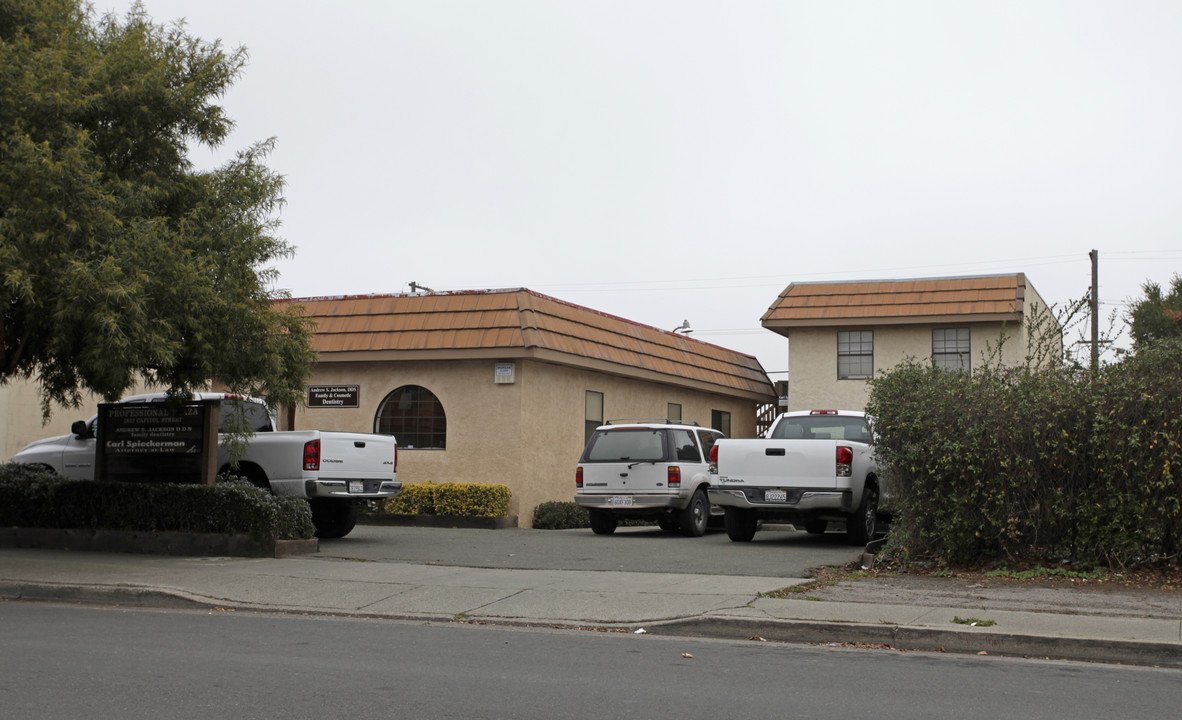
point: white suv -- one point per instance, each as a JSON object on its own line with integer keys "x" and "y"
{"x": 648, "y": 470}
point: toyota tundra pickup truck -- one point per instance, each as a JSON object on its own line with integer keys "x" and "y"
{"x": 335, "y": 471}
{"x": 814, "y": 467}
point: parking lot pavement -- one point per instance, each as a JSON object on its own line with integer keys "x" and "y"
{"x": 773, "y": 553}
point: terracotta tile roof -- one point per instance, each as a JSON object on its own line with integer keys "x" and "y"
{"x": 881, "y": 302}
{"x": 520, "y": 322}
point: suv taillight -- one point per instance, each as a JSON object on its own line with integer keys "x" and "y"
{"x": 713, "y": 454}
{"x": 579, "y": 477}
{"x": 845, "y": 461}
{"x": 674, "y": 476}
{"x": 312, "y": 455}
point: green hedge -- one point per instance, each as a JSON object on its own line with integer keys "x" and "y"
{"x": 35, "y": 497}
{"x": 560, "y": 516}
{"x": 460, "y": 499}
{"x": 1035, "y": 463}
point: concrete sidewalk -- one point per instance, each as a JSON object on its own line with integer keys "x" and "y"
{"x": 720, "y": 606}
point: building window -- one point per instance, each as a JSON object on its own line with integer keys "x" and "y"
{"x": 855, "y": 354}
{"x": 950, "y": 348}
{"x": 674, "y": 412}
{"x": 415, "y": 417}
{"x": 592, "y": 413}
{"x": 721, "y": 420}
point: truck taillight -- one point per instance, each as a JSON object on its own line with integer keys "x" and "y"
{"x": 395, "y": 458}
{"x": 312, "y": 455}
{"x": 713, "y": 454}
{"x": 845, "y": 461}
{"x": 579, "y": 477}
{"x": 674, "y": 476}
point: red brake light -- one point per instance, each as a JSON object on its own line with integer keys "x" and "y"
{"x": 578, "y": 477}
{"x": 845, "y": 461}
{"x": 396, "y": 457}
{"x": 312, "y": 455}
{"x": 822, "y": 412}
{"x": 713, "y": 454}
{"x": 674, "y": 476}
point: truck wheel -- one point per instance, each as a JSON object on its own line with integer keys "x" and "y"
{"x": 862, "y": 525}
{"x": 602, "y": 522}
{"x": 693, "y": 518}
{"x": 333, "y": 518}
{"x": 741, "y": 524}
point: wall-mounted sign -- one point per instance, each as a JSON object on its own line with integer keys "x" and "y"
{"x": 504, "y": 374}
{"x": 157, "y": 442}
{"x": 334, "y": 396}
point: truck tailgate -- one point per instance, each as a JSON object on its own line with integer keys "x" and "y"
{"x": 358, "y": 456}
{"x": 776, "y": 463}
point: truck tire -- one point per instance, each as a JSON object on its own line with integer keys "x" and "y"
{"x": 694, "y": 517}
{"x": 862, "y": 525}
{"x": 602, "y": 522}
{"x": 741, "y": 524}
{"x": 334, "y": 518}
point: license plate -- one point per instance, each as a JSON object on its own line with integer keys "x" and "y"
{"x": 775, "y": 496}
{"x": 356, "y": 486}
{"x": 625, "y": 500}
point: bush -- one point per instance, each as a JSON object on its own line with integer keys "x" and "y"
{"x": 33, "y": 497}
{"x": 459, "y": 499}
{"x": 1034, "y": 463}
{"x": 560, "y": 516}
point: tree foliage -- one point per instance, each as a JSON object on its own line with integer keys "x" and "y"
{"x": 1157, "y": 316}
{"x": 119, "y": 261}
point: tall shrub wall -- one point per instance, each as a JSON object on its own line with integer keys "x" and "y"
{"x": 1034, "y": 463}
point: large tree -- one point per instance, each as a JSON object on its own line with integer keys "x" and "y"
{"x": 1157, "y": 316}
{"x": 119, "y": 261}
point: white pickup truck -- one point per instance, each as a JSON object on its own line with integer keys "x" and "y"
{"x": 334, "y": 471}
{"x": 813, "y": 467}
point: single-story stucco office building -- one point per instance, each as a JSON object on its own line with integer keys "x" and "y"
{"x": 503, "y": 386}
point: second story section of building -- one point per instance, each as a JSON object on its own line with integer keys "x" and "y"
{"x": 841, "y": 334}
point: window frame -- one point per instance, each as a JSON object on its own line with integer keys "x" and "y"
{"x": 963, "y": 357}
{"x": 408, "y": 440}
{"x": 865, "y": 339}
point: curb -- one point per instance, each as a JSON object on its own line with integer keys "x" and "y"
{"x": 156, "y": 543}
{"x": 801, "y": 632}
{"x": 899, "y": 637}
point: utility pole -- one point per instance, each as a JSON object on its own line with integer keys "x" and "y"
{"x": 1095, "y": 306}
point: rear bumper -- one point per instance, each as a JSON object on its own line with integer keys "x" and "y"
{"x": 638, "y": 502}
{"x": 347, "y": 488}
{"x": 799, "y": 500}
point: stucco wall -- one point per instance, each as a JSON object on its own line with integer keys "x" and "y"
{"x": 527, "y": 435}
{"x": 812, "y": 354}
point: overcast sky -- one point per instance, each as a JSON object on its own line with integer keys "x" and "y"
{"x": 681, "y": 160}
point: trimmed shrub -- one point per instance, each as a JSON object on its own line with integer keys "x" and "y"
{"x": 459, "y": 499}
{"x": 560, "y": 516}
{"x": 30, "y": 497}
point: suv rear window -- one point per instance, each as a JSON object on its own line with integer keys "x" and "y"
{"x": 632, "y": 444}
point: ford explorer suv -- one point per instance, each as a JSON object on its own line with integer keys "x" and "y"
{"x": 647, "y": 470}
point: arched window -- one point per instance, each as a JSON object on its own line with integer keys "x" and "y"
{"x": 414, "y": 416}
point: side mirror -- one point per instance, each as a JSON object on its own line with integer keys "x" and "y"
{"x": 79, "y": 429}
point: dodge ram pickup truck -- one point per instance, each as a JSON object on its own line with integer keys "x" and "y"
{"x": 812, "y": 468}
{"x": 335, "y": 471}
